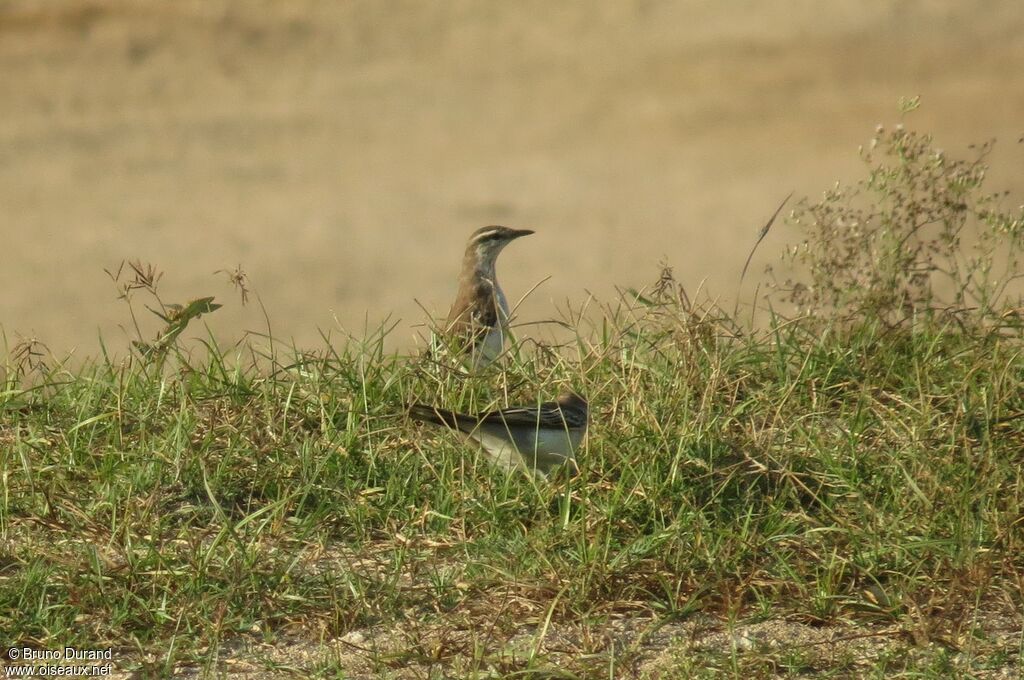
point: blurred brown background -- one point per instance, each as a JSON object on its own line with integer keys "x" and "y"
{"x": 341, "y": 152}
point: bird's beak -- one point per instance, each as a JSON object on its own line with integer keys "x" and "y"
{"x": 516, "y": 233}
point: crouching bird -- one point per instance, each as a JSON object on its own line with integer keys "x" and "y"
{"x": 535, "y": 438}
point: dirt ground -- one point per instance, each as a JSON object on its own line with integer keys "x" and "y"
{"x": 625, "y": 646}
{"x": 340, "y": 152}
{"x": 629, "y": 647}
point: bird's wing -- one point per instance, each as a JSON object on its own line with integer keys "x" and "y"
{"x": 440, "y": 416}
{"x": 547, "y": 415}
{"x": 465, "y": 317}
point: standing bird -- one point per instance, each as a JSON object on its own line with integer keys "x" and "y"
{"x": 536, "y": 438}
{"x": 479, "y": 316}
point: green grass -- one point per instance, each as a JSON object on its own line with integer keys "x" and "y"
{"x": 778, "y": 474}
{"x": 855, "y": 469}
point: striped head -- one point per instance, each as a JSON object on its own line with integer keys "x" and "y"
{"x": 487, "y": 242}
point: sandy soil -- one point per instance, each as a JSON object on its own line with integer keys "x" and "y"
{"x": 342, "y": 151}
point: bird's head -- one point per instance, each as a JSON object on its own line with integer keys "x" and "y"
{"x": 486, "y": 242}
{"x": 570, "y": 399}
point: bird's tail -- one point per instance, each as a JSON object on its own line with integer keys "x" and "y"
{"x": 439, "y": 416}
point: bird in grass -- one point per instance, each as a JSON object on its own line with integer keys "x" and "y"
{"x": 535, "y": 438}
{"x": 478, "y": 318}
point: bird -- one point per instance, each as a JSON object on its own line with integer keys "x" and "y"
{"x": 535, "y": 438}
{"x": 479, "y": 316}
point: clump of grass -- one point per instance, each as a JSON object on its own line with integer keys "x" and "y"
{"x": 918, "y": 236}
{"x": 831, "y": 470}
{"x": 176, "y": 317}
